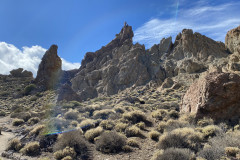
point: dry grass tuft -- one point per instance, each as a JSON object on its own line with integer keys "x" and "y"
{"x": 31, "y": 149}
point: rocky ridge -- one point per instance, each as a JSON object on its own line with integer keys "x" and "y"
{"x": 122, "y": 64}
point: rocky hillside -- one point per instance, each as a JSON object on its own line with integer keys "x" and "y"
{"x": 176, "y": 100}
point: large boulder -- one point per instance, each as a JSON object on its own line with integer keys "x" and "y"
{"x": 232, "y": 40}
{"x": 216, "y": 95}
{"x": 50, "y": 69}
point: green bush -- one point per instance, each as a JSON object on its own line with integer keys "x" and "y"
{"x": 29, "y": 88}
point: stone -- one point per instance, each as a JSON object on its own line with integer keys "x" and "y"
{"x": 67, "y": 93}
{"x": 232, "y": 40}
{"x": 49, "y": 70}
{"x": 215, "y": 95}
{"x": 188, "y": 66}
{"x": 168, "y": 83}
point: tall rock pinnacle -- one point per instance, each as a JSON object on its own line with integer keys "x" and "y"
{"x": 49, "y": 69}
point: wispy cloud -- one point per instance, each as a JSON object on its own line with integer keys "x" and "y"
{"x": 27, "y": 58}
{"x": 211, "y": 20}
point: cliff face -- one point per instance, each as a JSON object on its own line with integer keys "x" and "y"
{"x": 122, "y": 64}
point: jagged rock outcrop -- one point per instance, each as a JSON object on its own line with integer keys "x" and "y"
{"x": 122, "y": 64}
{"x": 50, "y": 69}
{"x": 232, "y": 40}
{"x": 118, "y": 65}
{"x": 216, "y": 95}
{"x": 196, "y": 46}
{"x": 20, "y": 73}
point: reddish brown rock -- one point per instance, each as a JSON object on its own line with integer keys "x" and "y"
{"x": 232, "y": 40}
{"x": 49, "y": 69}
{"x": 215, "y": 95}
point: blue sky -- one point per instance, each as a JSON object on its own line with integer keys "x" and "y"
{"x": 29, "y": 27}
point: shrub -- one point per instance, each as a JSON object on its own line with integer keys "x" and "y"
{"x": 127, "y": 148}
{"x": 120, "y": 127}
{"x": 3, "y": 113}
{"x": 67, "y": 158}
{"x": 74, "y": 140}
{"x": 132, "y": 142}
{"x": 17, "y": 122}
{"x": 232, "y": 151}
{"x": 33, "y": 120}
{"x": 107, "y": 124}
{"x": 71, "y": 114}
{"x": 173, "y": 114}
{"x": 37, "y": 130}
{"x": 93, "y": 133}
{"x": 190, "y": 118}
{"x": 210, "y": 131}
{"x": 217, "y": 145}
{"x": 160, "y": 114}
{"x": 31, "y": 149}
{"x": 133, "y": 131}
{"x": 136, "y": 117}
{"x": 141, "y": 125}
{"x": 14, "y": 144}
{"x": 174, "y": 154}
{"x": 57, "y": 124}
{"x": 110, "y": 142}
{"x": 181, "y": 138}
{"x": 154, "y": 135}
{"x": 74, "y": 123}
{"x": 87, "y": 124}
{"x": 29, "y": 88}
{"x": 171, "y": 125}
{"x": 66, "y": 152}
{"x": 204, "y": 122}
{"x": 161, "y": 126}
{"x": 119, "y": 110}
{"x": 103, "y": 114}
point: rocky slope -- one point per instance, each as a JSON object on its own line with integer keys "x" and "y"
{"x": 126, "y": 102}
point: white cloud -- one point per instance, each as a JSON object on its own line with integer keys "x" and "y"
{"x": 27, "y": 58}
{"x": 211, "y": 20}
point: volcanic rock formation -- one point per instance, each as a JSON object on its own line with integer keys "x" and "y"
{"x": 122, "y": 64}
{"x": 49, "y": 69}
{"x": 215, "y": 95}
